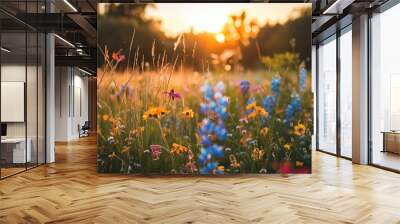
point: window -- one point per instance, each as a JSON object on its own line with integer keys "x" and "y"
{"x": 385, "y": 89}
{"x": 327, "y": 96}
{"x": 346, "y": 93}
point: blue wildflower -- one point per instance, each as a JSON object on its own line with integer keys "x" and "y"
{"x": 275, "y": 85}
{"x": 302, "y": 79}
{"x": 269, "y": 103}
{"x": 220, "y": 87}
{"x": 217, "y": 103}
{"x": 244, "y": 86}
{"x": 222, "y": 113}
{"x": 221, "y": 132}
{"x": 223, "y": 101}
{"x": 207, "y": 127}
{"x": 204, "y": 108}
{"x": 209, "y": 168}
{"x": 292, "y": 108}
{"x": 205, "y": 140}
{"x": 207, "y": 91}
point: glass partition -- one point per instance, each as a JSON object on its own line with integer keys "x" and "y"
{"x": 327, "y": 96}
{"x": 385, "y": 88}
{"x": 22, "y": 77}
{"x": 13, "y": 95}
{"x": 346, "y": 93}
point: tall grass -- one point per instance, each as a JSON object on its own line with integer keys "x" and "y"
{"x": 150, "y": 118}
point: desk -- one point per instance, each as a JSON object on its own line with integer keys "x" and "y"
{"x": 13, "y": 150}
{"x": 391, "y": 141}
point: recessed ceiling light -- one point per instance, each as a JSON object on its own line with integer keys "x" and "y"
{"x": 70, "y": 5}
{"x": 64, "y": 40}
{"x": 84, "y": 71}
{"x": 5, "y": 50}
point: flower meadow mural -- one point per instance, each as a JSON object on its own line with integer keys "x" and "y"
{"x": 208, "y": 89}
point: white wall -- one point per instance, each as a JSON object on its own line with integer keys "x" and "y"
{"x": 71, "y": 94}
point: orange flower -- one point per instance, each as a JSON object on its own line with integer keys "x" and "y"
{"x": 264, "y": 131}
{"x": 188, "y": 113}
{"x": 261, "y": 111}
{"x": 154, "y": 112}
{"x": 118, "y": 57}
{"x": 252, "y": 115}
{"x": 299, "y": 129}
{"x": 106, "y": 117}
{"x": 257, "y": 154}
{"x": 178, "y": 149}
{"x": 234, "y": 162}
{"x": 125, "y": 149}
{"x": 112, "y": 155}
{"x": 257, "y": 111}
{"x": 251, "y": 106}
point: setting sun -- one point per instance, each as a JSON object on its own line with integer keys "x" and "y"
{"x": 178, "y": 18}
{"x": 220, "y": 37}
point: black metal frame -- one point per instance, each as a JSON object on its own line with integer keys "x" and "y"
{"x": 44, "y": 80}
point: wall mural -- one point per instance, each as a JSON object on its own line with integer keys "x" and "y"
{"x": 199, "y": 88}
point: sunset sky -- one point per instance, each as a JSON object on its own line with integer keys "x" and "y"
{"x": 180, "y": 17}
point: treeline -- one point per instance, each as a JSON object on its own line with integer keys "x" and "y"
{"x": 196, "y": 50}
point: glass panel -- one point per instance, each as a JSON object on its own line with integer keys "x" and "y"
{"x": 23, "y": 82}
{"x": 13, "y": 86}
{"x": 314, "y": 82}
{"x": 31, "y": 98}
{"x": 41, "y": 99}
{"x": 327, "y": 96}
{"x": 346, "y": 94}
{"x": 385, "y": 84}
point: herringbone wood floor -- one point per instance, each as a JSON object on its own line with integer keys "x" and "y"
{"x": 70, "y": 191}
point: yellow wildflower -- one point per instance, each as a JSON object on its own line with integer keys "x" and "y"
{"x": 264, "y": 131}
{"x": 106, "y": 117}
{"x": 188, "y": 113}
{"x": 261, "y": 111}
{"x": 252, "y": 115}
{"x": 234, "y": 162}
{"x": 287, "y": 147}
{"x": 161, "y": 111}
{"x": 125, "y": 149}
{"x": 257, "y": 154}
{"x": 154, "y": 112}
{"x": 257, "y": 111}
{"x": 112, "y": 155}
{"x": 251, "y": 106}
{"x": 299, "y": 130}
{"x": 178, "y": 149}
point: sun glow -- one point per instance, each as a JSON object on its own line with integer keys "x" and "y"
{"x": 199, "y": 17}
{"x": 220, "y": 37}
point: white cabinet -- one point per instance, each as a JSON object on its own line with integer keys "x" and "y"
{"x": 19, "y": 155}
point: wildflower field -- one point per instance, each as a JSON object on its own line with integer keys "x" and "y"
{"x": 164, "y": 117}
